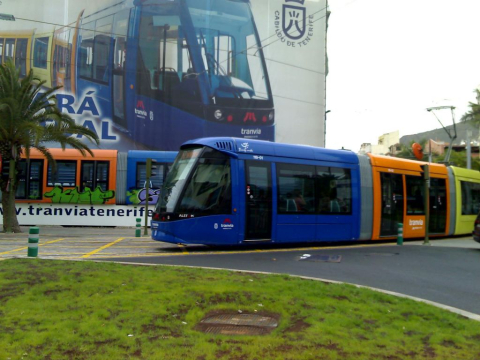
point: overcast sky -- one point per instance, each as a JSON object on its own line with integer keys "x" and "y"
{"x": 390, "y": 60}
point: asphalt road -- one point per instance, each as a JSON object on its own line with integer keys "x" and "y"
{"x": 445, "y": 273}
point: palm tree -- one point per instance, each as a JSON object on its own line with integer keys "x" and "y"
{"x": 29, "y": 118}
{"x": 474, "y": 113}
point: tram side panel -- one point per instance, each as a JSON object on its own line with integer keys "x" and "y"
{"x": 74, "y": 179}
{"x": 467, "y": 191}
{"x": 366, "y": 199}
{"x": 316, "y": 201}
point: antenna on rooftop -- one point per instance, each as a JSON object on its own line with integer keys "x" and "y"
{"x": 452, "y": 137}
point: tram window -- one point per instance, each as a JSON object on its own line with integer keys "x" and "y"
{"x": 415, "y": 195}
{"x": 30, "y": 180}
{"x": 101, "y": 48}
{"x": 35, "y": 179}
{"x": 208, "y": 190}
{"x": 176, "y": 179}
{"x": 9, "y": 48}
{"x": 94, "y": 174}
{"x": 120, "y": 28}
{"x": 157, "y": 62}
{"x": 470, "y": 198}
{"x": 1, "y": 50}
{"x": 225, "y": 48}
{"x": 21, "y": 56}
{"x": 296, "y": 188}
{"x": 40, "y": 51}
{"x": 22, "y": 177}
{"x": 61, "y": 54}
{"x": 64, "y": 174}
{"x": 256, "y": 75}
{"x": 156, "y": 181}
{"x": 438, "y": 205}
{"x": 335, "y": 190}
{"x": 60, "y": 62}
{"x": 86, "y": 50}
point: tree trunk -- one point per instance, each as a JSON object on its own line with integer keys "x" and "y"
{"x": 10, "y": 221}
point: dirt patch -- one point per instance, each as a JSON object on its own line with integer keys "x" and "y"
{"x": 450, "y": 343}
{"x": 297, "y": 326}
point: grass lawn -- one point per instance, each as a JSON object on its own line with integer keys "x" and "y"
{"x": 87, "y": 310}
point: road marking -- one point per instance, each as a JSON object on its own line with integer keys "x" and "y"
{"x": 26, "y": 247}
{"x": 101, "y": 248}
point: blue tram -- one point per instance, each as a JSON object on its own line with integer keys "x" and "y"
{"x": 224, "y": 191}
{"x": 228, "y": 191}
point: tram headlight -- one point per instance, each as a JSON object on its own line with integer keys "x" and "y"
{"x": 218, "y": 114}
{"x": 271, "y": 115}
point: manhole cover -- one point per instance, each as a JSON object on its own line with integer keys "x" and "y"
{"x": 237, "y": 324}
{"x": 321, "y": 258}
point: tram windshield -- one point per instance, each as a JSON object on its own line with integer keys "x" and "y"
{"x": 198, "y": 184}
{"x": 208, "y": 45}
{"x": 230, "y": 49}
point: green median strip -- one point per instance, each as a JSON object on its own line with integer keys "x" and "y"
{"x": 92, "y": 310}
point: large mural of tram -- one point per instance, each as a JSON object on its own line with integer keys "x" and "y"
{"x": 162, "y": 72}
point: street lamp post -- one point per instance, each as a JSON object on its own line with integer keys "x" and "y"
{"x": 325, "y": 130}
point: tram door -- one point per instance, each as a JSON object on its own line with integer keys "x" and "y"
{"x": 258, "y": 207}
{"x": 438, "y": 207}
{"x": 392, "y": 203}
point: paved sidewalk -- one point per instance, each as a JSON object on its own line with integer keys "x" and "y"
{"x": 76, "y": 243}
{"x": 460, "y": 242}
{"x": 88, "y": 243}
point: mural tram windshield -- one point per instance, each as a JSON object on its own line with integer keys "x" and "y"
{"x": 202, "y": 58}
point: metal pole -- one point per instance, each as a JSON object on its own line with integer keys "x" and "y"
{"x": 469, "y": 149}
{"x": 426, "y": 176}
{"x": 148, "y": 174}
{"x": 147, "y": 199}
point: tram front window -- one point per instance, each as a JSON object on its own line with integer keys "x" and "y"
{"x": 172, "y": 188}
{"x": 230, "y": 48}
{"x": 198, "y": 184}
{"x": 164, "y": 63}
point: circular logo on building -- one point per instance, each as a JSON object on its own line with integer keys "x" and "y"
{"x": 293, "y": 25}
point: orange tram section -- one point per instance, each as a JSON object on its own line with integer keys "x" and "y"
{"x": 398, "y": 197}
{"x": 73, "y": 179}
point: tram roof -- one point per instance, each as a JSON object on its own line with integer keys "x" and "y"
{"x": 239, "y": 146}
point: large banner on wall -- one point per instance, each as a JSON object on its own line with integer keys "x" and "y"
{"x": 151, "y": 74}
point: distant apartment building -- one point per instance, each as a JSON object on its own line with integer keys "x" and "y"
{"x": 435, "y": 147}
{"x": 385, "y": 142}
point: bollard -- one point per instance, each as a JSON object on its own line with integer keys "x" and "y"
{"x": 33, "y": 238}
{"x": 138, "y": 230}
{"x": 400, "y": 234}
